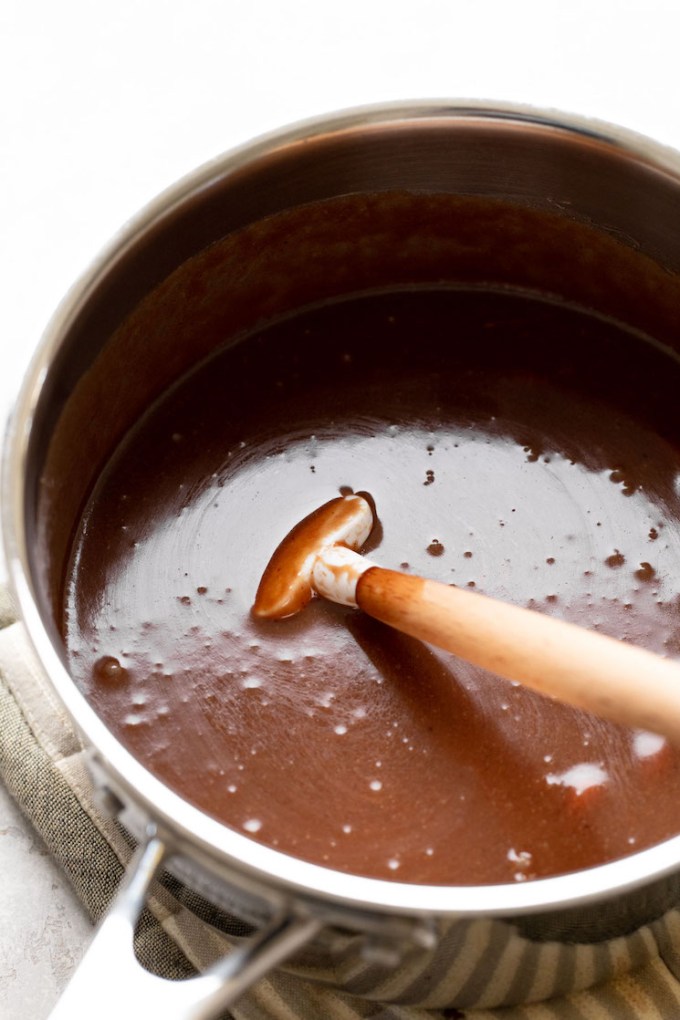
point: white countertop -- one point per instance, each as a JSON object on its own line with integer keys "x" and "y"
{"x": 104, "y": 105}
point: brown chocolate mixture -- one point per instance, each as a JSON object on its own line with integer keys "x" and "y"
{"x": 526, "y": 450}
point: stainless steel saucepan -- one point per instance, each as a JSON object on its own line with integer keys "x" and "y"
{"x": 581, "y": 210}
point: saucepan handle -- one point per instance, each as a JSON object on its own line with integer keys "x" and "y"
{"x": 111, "y": 982}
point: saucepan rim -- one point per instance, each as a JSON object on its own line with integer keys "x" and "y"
{"x": 188, "y": 826}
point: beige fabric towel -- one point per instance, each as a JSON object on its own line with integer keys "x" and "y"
{"x": 43, "y": 765}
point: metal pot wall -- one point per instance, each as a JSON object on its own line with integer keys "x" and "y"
{"x": 371, "y": 198}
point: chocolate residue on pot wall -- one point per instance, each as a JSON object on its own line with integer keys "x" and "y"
{"x": 551, "y": 441}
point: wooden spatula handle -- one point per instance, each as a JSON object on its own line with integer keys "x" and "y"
{"x": 583, "y": 668}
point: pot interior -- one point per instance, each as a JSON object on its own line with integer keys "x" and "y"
{"x": 463, "y": 205}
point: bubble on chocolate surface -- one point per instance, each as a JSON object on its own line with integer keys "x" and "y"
{"x": 580, "y": 777}
{"x": 645, "y": 745}
{"x": 109, "y": 670}
{"x": 251, "y": 682}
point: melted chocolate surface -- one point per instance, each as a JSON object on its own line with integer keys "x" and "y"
{"x": 512, "y": 445}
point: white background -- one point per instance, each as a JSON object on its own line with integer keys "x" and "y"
{"x": 104, "y": 104}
